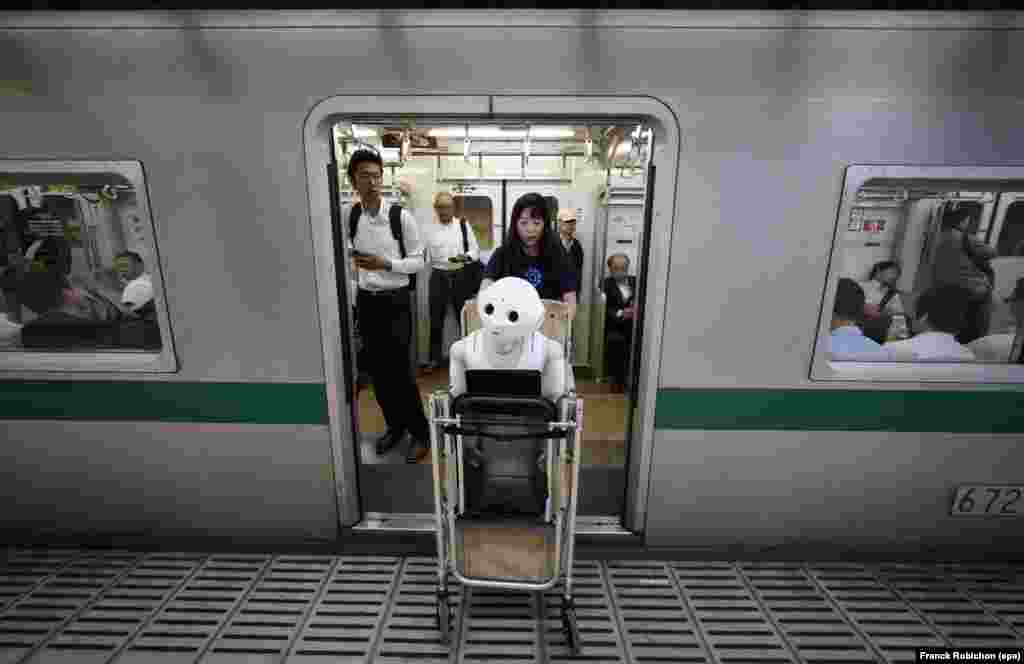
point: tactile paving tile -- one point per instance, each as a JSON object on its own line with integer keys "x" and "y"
{"x": 88, "y": 607}
{"x": 653, "y": 617}
{"x": 344, "y": 624}
{"x": 595, "y": 616}
{"x": 888, "y": 622}
{"x": 959, "y": 619}
{"x": 735, "y": 627}
{"x": 807, "y": 620}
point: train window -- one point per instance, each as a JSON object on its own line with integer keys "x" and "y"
{"x": 916, "y": 291}
{"x": 80, "y": 285}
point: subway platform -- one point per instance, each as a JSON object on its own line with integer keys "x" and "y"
{"x": 62, "y": 603}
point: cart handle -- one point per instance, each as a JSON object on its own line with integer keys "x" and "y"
{"x": 452, "y": 429}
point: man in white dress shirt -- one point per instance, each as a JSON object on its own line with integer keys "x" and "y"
{"x": 384, "y": 305}
{"x": 941, "y": 314}
{"x": 448, "y": 256}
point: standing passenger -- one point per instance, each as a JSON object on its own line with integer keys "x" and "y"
{"x": 531, "y": 252}
{"x": 619, "y": 313}
{"x": 573, "y": 248}
{"x": 959, "y": 261}
{"x": 451, "y": 247}
{"x": 384, "y": 305}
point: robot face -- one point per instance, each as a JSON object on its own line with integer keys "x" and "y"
{"x": 510, "y": 309}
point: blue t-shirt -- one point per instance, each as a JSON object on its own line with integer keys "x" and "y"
{"x": 550, "y": 285}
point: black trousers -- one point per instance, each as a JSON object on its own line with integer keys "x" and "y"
{"x": 446, "y": 287}
{"x": 617, "y": 346}
{"x": 385, "y": 323}
{"x": 979, "y": 316}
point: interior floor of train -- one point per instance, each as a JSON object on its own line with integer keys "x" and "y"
{"x": 87, "y": 605}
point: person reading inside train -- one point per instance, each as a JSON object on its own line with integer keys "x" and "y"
{"x": 531, "y": 252}
{"x": 451, "y": 248}
{"x": 884, "y": 316}
{"x": 847, "y": 342}
{"x": 619, "y": 313}
{"x": 941, "y": 314}
{"x": 511, "y": 315}
{"x": 999, "y": 348}
{"x": 384, "y": 303}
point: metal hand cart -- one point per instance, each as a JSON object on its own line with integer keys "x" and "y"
{"x": 506, "y": 482}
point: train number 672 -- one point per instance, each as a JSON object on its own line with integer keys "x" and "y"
{"x": 987, "y": 501}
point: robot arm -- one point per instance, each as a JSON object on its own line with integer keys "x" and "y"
{"x": 457, "y": 368}
{"x": 553, "y": 379}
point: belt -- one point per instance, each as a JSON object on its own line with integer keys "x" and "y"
{"x": 446, "y": 270}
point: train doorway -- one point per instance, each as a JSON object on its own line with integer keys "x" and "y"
{"x": 597, "y": 172}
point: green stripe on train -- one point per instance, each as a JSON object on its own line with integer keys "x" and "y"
{"x": 841, "y": 410}
{"x": 252, "y": 403}
{"x": 737, "y": 409}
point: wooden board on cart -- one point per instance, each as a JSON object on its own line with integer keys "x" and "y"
{"x": 506, "y": 551}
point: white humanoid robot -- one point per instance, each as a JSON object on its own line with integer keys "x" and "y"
{"x": 511, "y": 315}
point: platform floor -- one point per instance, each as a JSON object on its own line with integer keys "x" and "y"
{"x": 82, "y": 606}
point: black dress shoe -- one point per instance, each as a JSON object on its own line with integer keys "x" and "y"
{"x": 386, "y": 442}
{"x": 417, "y": 451}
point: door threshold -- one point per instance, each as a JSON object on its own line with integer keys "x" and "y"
{"x": 384, "y": 522}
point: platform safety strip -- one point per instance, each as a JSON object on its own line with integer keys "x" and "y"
{"x": 64, "y": 605}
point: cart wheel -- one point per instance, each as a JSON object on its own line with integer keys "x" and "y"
{"x": 444, "y": 617}
{"x": 571, "y": 629}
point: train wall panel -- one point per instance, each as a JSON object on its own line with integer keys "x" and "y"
{"x": 218, "y": 480}
{"x": 829, "y": 491}
{"x": 767, "y": 123}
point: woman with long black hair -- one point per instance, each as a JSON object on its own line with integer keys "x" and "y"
{"x": 531, "y": 251}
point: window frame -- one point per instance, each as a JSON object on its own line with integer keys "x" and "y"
{"x": 973, "y": 178}
{"x": 102, "y": 360}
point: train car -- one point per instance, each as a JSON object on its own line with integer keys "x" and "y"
{"x": 180, "y": 355}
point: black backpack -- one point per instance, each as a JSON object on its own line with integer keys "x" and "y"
{"x": 395, "y": 217}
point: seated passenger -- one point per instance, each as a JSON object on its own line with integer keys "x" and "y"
{"x": 941, "y": 314}
{"x": 137, "y": 297}
{"x": 532, "y": 252}
{"x": 998, "y": 348}
{"x": 620, "y": 310}
{"x": 511, "y": 315}
{"x": 884, "y": 316}
{"x": 847, "y": 342}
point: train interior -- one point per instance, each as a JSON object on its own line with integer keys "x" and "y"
{"x": 902, "y": 221}
{"x": 597, "y": 171}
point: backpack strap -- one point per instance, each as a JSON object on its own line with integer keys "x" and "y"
{"x": 395, "y": 217}
{"x": 353, "y": 220}
{"x": 885, "y": 299}
{"x": 465, "y": 238}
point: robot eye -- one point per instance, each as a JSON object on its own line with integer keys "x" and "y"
{"x": 489, "y": 309}
{"x": 513, "y": 316}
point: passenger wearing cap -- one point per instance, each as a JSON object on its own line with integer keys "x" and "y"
{"x": 137, "y": 296}
{"x": 567, "y": 219}
{"x": 1001, "y": 348}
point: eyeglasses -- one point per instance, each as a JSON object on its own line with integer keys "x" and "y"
{"x": 368, "y": 177}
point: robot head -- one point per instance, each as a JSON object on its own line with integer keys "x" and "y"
{"x": 510, "y": 309}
